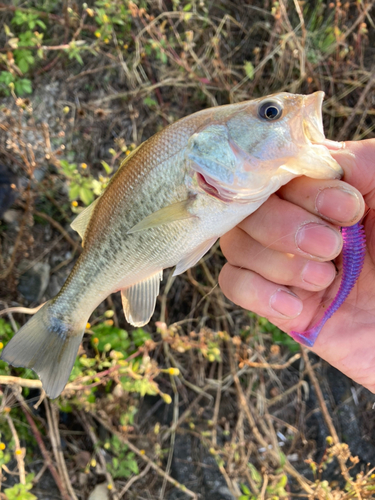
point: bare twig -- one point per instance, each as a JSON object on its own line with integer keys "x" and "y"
{"x": 54, "y": 435}
{"x": 132, "y": 480}
{"x": 19, "y": 451}
{"x": 272, "y": 366}
{"x": 344, "y": 130}
{"x": 43, "y": 449}
{"x": 19, "y": 309}
{"x": 325, "y": 412}
{"x": 146, "y": 459}
{"x": 274, "y": 455}
{"x": 84, "y": 418}
{"x": 217, "y": 403}
{"x": 56, "y": 225}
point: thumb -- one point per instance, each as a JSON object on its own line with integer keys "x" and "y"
{"x": 357, "y": 158}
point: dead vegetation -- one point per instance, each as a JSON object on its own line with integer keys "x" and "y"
{"x": 240, "y": 399}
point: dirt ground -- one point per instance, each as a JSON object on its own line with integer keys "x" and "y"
{"x": 213, "y": 402}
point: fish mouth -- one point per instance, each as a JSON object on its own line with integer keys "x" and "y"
{"x": 314, "y": 133}
{"x": 312, "y": 117}
{"x": 208, "y": 186}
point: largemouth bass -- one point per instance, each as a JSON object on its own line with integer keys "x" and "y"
{"x": 166, "y": 206}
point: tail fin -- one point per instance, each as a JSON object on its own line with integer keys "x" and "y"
{"x": 47, "y": 345}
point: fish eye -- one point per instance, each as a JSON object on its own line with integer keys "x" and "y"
{"x": 270, "y": 110}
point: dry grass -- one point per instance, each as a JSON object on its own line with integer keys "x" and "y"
{"x": 249, "y": 407}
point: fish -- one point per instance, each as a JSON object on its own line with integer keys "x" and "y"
{"x": 166, "y": 205}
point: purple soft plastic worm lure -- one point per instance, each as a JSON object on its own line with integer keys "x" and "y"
{"x": 353, "y": 255}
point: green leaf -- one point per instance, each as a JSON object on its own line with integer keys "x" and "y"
{"x": 282, "y": 459}
{"x": 41, "y": 24}
{"x": 255, "y": 474}
{"x": 283, "y": 481}
{"x": 245, "y": 489}
{"x": 7, "y": 30}
{"x": 149, "y": 101}
{"x": 23, "y": 86}
{"x": 187, "y": 7}
{"x": 6, "y": 77}
{"x": 116, "y": 337}
{"x": 30, "y": 477}
{"x": 78, "y": 58}
{"x": 140, "y": 336}
{"x": 74, "y": 191}
{"x": 91, "y": 398}
{"x": 133, "y": 466}
{"x": 249, "y": 70}
{"x": 68, "y": 168}
{"x": 19, "y": 492}
{"x": 19, "y": 18}
{"x": 65, "y": 407}
{"x": 5, "y": 329}
{"x": 87, "y": 362}
{"x": 86, "y": 195}
{"x": 107, "y": 168}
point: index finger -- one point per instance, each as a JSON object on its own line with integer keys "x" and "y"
{"x": 334, "y": 200}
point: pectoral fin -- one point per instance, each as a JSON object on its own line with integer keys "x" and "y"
{"x": 81, "y": 222}
{"x": 138, "y": 301}
{"x": 193, "y": 257}
{"x": 166, "y": 215}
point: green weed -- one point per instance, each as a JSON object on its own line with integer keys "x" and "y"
{"x": 278, "y": 336}
{"x": 21, "y": 491}
{"x": 82, "y": 185}
{"x": 123, "y": 463}
{"x": 25, "y": 44}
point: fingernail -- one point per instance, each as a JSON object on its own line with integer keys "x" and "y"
{"x": 286, "y": 303}
{"x": 318, "y": 273}
{"x": 341, "y": 205}
{"x": 318, "y": 240}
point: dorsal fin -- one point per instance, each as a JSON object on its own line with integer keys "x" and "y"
{"x": 138, "y": 301}
{"x": 81, "y": 222}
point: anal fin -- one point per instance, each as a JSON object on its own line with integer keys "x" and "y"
{"x": 139, "y": 300}
{"x": 193, "y": 257}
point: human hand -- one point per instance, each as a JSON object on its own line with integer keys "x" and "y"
{"x": 279, "y": 261}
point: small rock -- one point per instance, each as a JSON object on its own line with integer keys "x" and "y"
{"x": 39, "y": 174}
{"x": 12, "y": 217}
{"x": 100, "y": 492}
{"x": 82, "y": 459}
{"x": 33, "y": 282}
